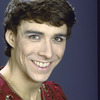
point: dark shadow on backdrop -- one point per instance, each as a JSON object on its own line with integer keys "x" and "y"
{"x": 98, "y": 49}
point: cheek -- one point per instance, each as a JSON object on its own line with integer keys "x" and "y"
{"x": 21, "y": 52}
{"x": 59, "y": 50}
{"x": 23, "y": 45}
{"x": 26, "y": 48}
{"x": 31, "y": 47}
{"x": 20, "y": 49}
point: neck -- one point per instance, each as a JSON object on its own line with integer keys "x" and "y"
{"x": 21, "y": 83}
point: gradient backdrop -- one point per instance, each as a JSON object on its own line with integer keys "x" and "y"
{"x": 77, "y": 73}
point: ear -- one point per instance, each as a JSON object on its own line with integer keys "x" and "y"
{"x": 10, "y": 38}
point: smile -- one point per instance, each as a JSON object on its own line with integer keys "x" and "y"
{"x": 41, "y": 64}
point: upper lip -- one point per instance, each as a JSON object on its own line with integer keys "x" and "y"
{"x": 45, "y": 61}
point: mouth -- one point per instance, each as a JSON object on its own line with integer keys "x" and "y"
{"x": 41, "y": 64}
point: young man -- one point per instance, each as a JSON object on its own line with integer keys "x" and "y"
{"x": 35, "y": 33}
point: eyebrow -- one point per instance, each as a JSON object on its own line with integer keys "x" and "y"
{"x": 41, "y": 33}
{"x": 33, "y": 32}
{"x": 61, "y": 35}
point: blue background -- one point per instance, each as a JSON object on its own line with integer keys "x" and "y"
{"x": 77, "y": 74}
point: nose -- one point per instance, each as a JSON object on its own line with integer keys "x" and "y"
{"x": 46, "y": 50}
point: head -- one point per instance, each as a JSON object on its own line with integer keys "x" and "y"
{"x": 52, "y": 12}
{"x": 35, "y": 33}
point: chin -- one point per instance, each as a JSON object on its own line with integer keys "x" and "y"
{"x": 39, "y": 78}
{"x": 42, "y": 79}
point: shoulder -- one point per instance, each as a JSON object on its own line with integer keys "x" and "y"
{"x": 54, "y": 90}
{"x": 6, "y": 92}
{"x": 52, "y": 85}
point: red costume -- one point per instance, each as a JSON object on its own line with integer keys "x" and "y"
{"x": 49, "y": 91}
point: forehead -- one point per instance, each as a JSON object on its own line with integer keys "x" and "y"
{"x": 44, "y": 27}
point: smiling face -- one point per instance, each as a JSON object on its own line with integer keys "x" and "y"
{"x": 38, "y": 48}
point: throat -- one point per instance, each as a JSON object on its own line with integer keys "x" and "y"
{"x": 33, "y": 96}
{"x": 25, "y": 89}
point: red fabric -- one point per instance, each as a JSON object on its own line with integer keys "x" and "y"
{"x": 53, "y": 91}
{"x": 49, "y": 89}
{"x": 6, "y": 93}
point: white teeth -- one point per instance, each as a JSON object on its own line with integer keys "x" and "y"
{"x": 40, "y": 64}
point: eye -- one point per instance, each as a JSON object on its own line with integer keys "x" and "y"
{"x": 34, "y": 37}
{"x": 58, "y": 39}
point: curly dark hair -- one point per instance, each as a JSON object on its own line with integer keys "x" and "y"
{"x": 54, "y": 12}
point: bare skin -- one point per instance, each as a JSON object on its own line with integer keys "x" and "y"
{"x": 36, "y": 50}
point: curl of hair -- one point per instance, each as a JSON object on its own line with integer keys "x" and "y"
{"x": 53, "y": 12}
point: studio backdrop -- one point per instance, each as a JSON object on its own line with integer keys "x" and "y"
{"x": 77, "y": 72}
